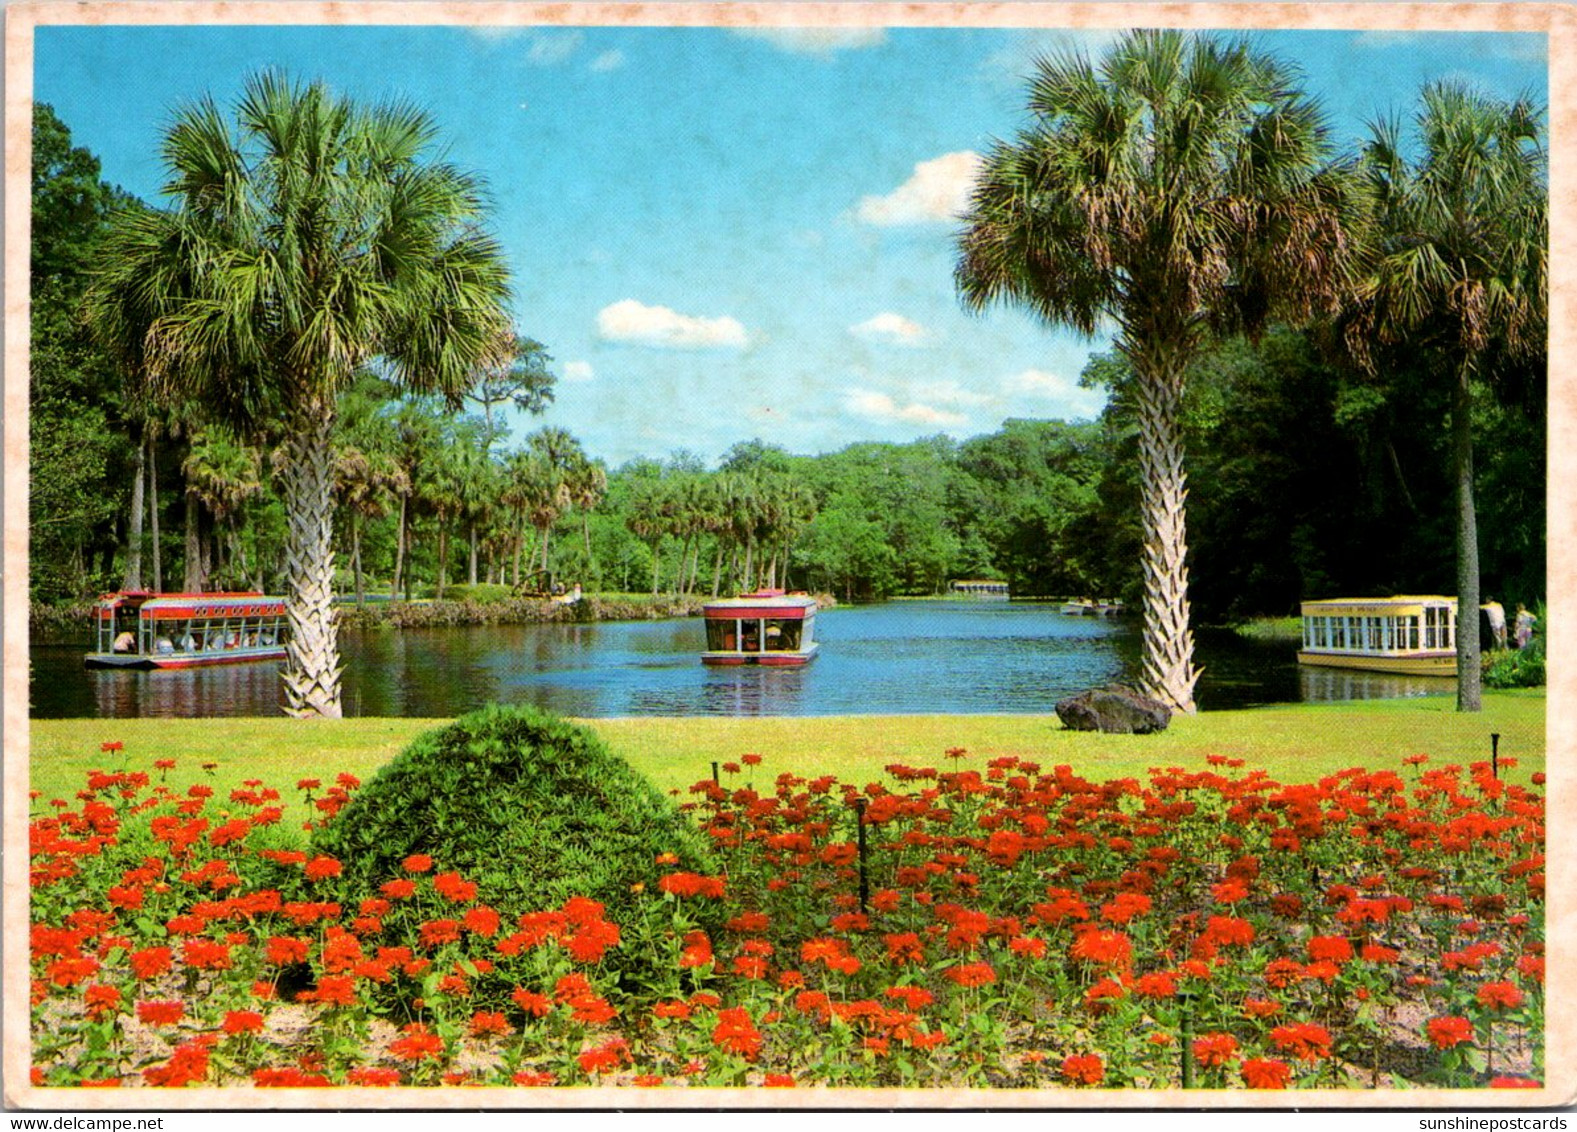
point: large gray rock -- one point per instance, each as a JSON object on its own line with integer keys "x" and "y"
{"x": 1116, "y": 709}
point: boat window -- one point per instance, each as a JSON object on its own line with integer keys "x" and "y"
{"x": 783, "y": 635}
{"x": 1412, "y": 632}
{"x": 750, "y": 635}
{"x": 721, "y": 635}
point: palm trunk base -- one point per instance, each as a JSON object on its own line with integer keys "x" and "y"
{"x": 312, "y": 670}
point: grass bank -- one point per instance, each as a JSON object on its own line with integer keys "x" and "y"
{"x": 1299, "y": 742}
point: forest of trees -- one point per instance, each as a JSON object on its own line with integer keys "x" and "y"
{"x": 1308, "y": 477}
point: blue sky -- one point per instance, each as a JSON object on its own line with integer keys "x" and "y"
{"x": 723, "y": 235}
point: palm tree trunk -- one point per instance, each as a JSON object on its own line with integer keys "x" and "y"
{"x": 312, "y": 669}
{"x": 399, "y": 551}
{"x": 153, "y": 507}
{"x": 355, "y": 559}
{"x": 443, "y": 558}
{"x": 192, "y": 583}
{"x": 1168, "y": 672}
{"x": 717, "y": 569}
{"x": 1469, "y": 675}
{"x": 471, "y": 575}
{"x": 132, "y": 580}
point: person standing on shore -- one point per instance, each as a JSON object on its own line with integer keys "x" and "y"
{"x": 1525, "y": 623}
{"x": 1497, "y": 621}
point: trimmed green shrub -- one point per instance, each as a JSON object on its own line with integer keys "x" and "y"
{"x": 531, "y": 808}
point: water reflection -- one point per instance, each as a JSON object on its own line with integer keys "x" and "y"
{"x": 1319, "y": 685}
{"x": 127, "y": 693}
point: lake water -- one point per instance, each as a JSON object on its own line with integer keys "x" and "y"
{"x": 903, "y": 657}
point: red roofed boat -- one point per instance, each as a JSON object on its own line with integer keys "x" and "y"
{"x": 138, "y": 629}
{"x": 766, "y": 627}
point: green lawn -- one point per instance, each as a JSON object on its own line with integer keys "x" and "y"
{"x": 1292, "y": 742}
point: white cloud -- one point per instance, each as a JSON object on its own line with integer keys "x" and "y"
{"x": 608, "y": 61}
{"x": 550, "y": 49}
{"x": 891, "y": 328}
{"x": 631, "y": 321}
{"x": 881, "y": 407}
{"x": 951, "y": 393}
{"x": 817, "y": 41}
{"x": 1065, "y": 393}
{"x": 938, "y": 190}
{"x": 579, "y": 372}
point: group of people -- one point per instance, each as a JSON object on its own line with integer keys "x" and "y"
{"x": 1522, "y": 627}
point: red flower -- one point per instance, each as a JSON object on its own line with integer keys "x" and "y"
{"x": 437, "y": 932}
{"x": 373, "y": 1077}
{"x": 1499, "y": 996}
{"x": 1160, "y": 984}
{"x": 1215, "y": 1049}
{"x": 533, "y": 1079}
{"x": 972, "y": 974}
{"x": 736, "y": 1033}
{"x": 534, "y": 1004}
{"x": 1083, "y": 1069}
{"x": 778, "y": 1080}
{"x": 1261, "y": 1007}
{"x": 160, "y": 1013}
{"x": 417, "y": 863}
{"x": 398, "y": 889}
{"x": 691, "y": 884}
{"x": 418, "y": 1044}
{"x": 321, "y": 868}
{"x": 608, "y": 1055}
{"x": 242, "y": 1022}
{"x": 101, "y": 1000}
{"x": 187, "y": 1064}
{"x": 485, "y": 1022}
{"x": 205, "y": 955}
{"x": 453, "y": 888}
{"x": 1329, "y": 948}
{"x": 1448, "y": 1032}
{"x": 1266, "y": 1074}
{"x": 1108, "y": 949}
{"x": 482, "y": 920}
{"x": 1303, "y": 1040}
{"x": 150, "y": 962}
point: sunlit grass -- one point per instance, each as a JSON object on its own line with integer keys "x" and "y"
{"x": 1292, "y": 742}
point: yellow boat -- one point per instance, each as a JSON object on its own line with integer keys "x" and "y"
{"x": 1414, "y": 636}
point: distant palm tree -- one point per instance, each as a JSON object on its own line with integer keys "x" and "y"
{"x": 1464, "y": 231}
{"x": 221, "y": 475}
{"x": 1179, "y": 186}
{"x": 317, "y": 238}
{"x": 363, "y": 482}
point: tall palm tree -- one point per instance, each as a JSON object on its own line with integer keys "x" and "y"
{"x": 1181, "y": 185}
{"x": 1463, "y": 235}
{"x": 316, "y": 237}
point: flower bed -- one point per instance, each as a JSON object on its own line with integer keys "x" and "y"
{"x": 1006, "y": 926}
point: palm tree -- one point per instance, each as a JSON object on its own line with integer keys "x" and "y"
{"x": 1179, "y": 187}
{"x": 1462, "y": 271}
{"x": 588, "y": 483}
{"x": 221, "y": 475}
{"x": 363, "y": 481}
{"x": 316, "y": 238}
